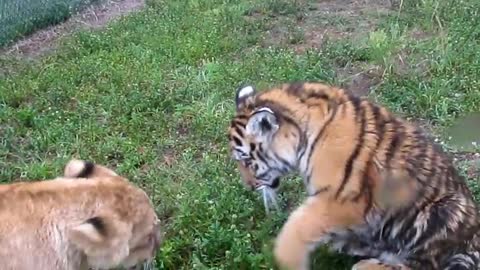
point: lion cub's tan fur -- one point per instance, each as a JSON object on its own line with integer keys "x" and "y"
{"x": 90, "y": 218}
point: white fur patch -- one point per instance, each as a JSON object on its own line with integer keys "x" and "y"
{"x": 88, "y": 232}
{"x": 365, "y": 264}
{"x": 265, "y": 109}
{"x": 246, "y": 91}
{"x": 73, "y": 168}
{"x": 390, "y": 258}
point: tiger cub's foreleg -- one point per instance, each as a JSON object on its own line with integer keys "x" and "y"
{"x": 374, "y": 264}
{"x": 308, "y": 224}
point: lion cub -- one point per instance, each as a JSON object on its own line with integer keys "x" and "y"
{"x": 89, "y": 218}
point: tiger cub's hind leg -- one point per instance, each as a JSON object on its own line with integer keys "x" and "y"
{"x": 308, "y": 224}
{"x": 374, "y": 264}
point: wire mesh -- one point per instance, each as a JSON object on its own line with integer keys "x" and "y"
{"x": 21, "y": 17}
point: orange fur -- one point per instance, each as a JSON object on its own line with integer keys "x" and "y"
{"x": 71, "y": 223}
{"x": 360, "y": 164}
{"x": 308, "y": 224}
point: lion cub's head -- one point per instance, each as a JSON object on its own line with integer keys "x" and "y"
{"x": 123, "y": 229}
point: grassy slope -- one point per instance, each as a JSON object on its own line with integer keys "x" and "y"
{"x": 152, "y": 95}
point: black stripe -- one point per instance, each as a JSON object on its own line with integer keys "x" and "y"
{"x": 436, "y": 171}
{"x": 399, "y": 132}
{"x": 409, "y": 216}
{"x": 87, "y": 169}
{"x": 240, "y": 123}
{"x": 380, "y": 132}
{"x": 283, "y": 161}
{"x": 366, "y": 186}
{"x": 302, "y": 150}
{"x": 319, "y": 135}
{"x": 369, "y": 195}
{"x": 237, "y": 141}
{"x": 318, "y": 95}
{"x": 277, "y": 109}
{"x": 359, "y": 113}
{"x": 261, "y": 157}
{"x": 275, "y": 183}
{"x": 438, "y": 216}
{"x": 295, "y": 88}
{"x": 308, "y": 178}
{"x": 319, "y": 191}
{"x": 302, "y": 145}
{"x": 379, "y": 123}
{"x": 386, "y": 228}
{"x": 422, "y": 163}
{"x": 99, "y": 225}
{"x": 262, "y": 176}
{"x": 239, "y": 131}
{"x": 419, "y": 160}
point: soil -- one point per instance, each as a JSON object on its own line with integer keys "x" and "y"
{"x": 471, "y": 161}
{"x": 330, "y": 20}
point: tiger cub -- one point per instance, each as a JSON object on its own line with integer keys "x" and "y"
{"x": 90, "y": 218}
{"x": 378, "y": 187}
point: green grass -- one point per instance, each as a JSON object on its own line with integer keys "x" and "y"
{"x": 152, "y": 94}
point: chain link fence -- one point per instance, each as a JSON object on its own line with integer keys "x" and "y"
{"x": 21, "y": 17}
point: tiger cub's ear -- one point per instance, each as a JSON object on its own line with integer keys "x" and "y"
{"x": 85, "y": 169}
{"x": 243, "y": 94}
{"x": 262, "y": 124}
{"x": 103, "y": 239}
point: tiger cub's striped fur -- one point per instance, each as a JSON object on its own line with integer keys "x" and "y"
{"x": 377, "y": 186}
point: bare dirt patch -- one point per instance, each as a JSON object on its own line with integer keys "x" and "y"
{"x": 329, "y": 20}
{"x": 316, "y": 23}
{"x": 169, "y": 157}
{"x": 93, "y": 17}
{"x": 359, "y": 78}
{"x": 332, "y": 20}
{"x": 471, "y": 162}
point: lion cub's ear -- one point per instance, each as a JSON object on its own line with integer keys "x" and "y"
{"x": 85, "y": 169}
{"x": 93, "y": 230}
{"x": 104, "y": 241}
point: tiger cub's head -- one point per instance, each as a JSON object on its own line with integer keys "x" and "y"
{"x": 263, "y": 140}
{"x": 124, "y": 229}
